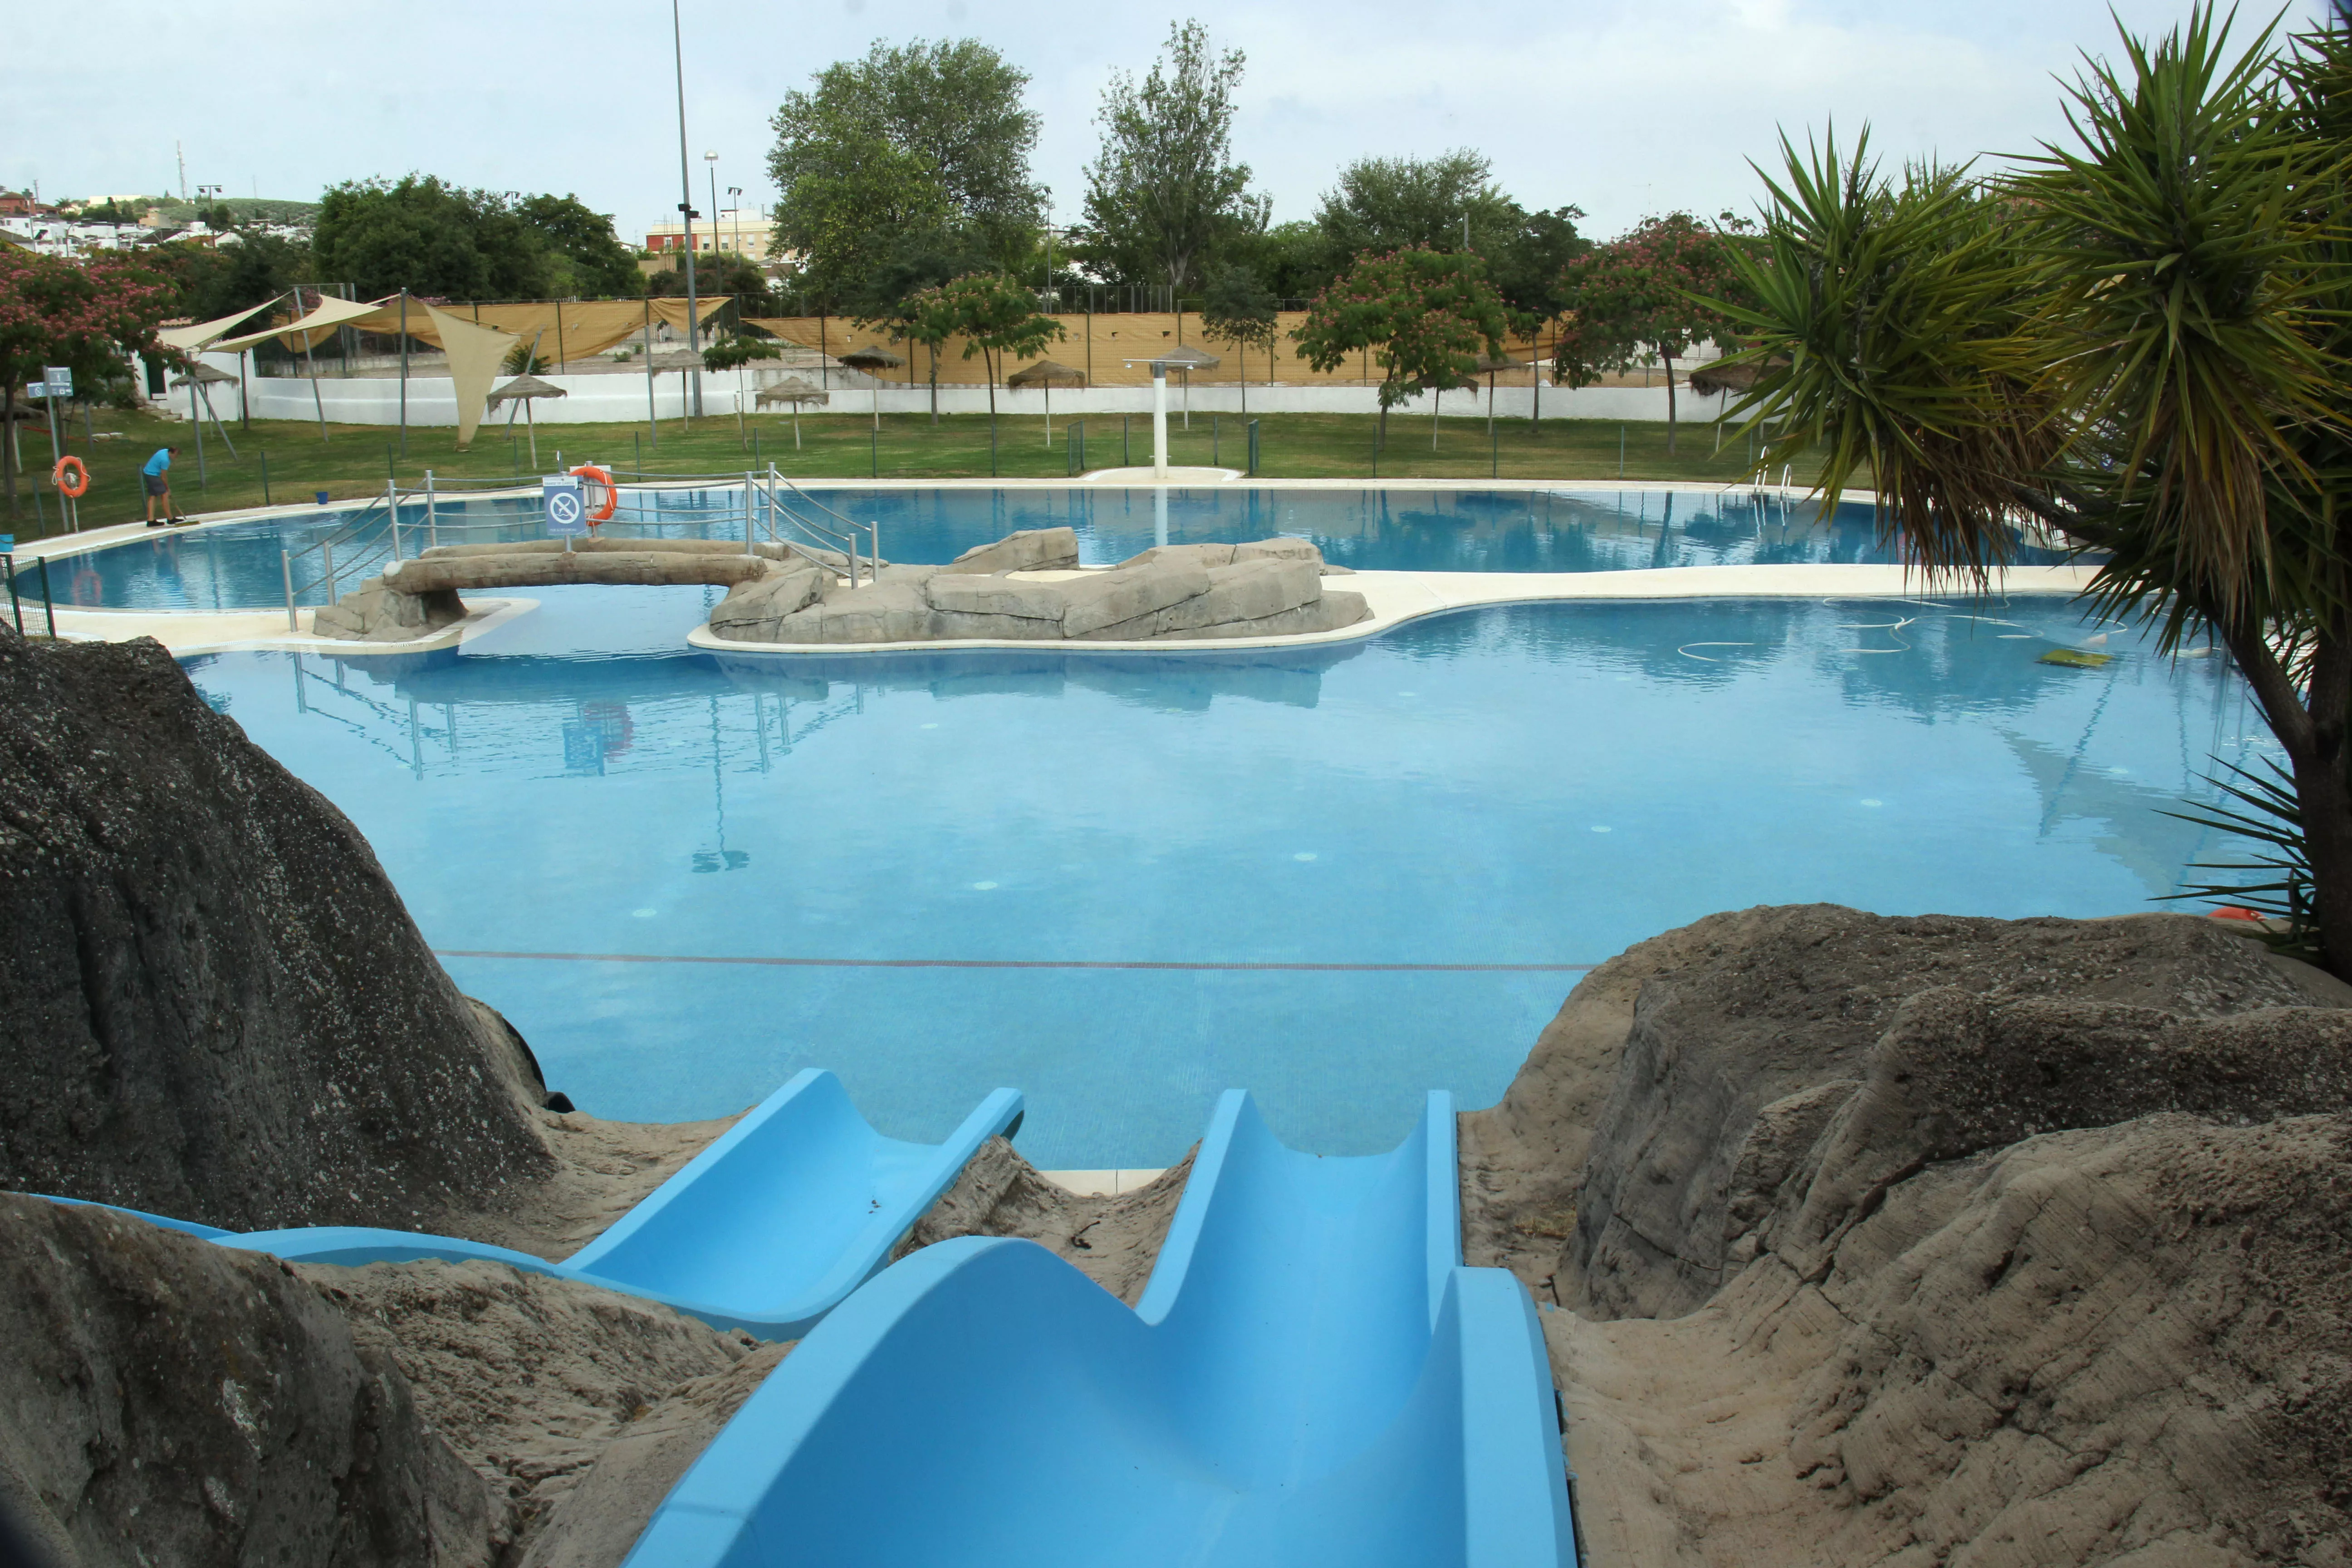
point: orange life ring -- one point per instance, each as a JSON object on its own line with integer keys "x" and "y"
{"x": 612, "y": 502}
{"x": 70, "y": 465}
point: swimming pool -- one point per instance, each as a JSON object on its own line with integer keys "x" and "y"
{"x": 236, "y": 566}
{"x": 1338, "y": 877}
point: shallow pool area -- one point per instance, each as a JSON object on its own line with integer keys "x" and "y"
{"x": 1338, "y": 877}
{"x": 238, "y": 565}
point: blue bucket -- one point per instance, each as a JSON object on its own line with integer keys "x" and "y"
{"x": 321, "y": 495}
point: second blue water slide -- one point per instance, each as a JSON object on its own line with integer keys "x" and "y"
{"x": 766, "y": 1230}
{"x": 1311, "y": 1379}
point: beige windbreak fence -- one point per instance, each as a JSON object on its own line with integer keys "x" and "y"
{"x": 1100, "y": 345}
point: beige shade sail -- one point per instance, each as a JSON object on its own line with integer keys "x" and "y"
{"x": 207, "y": 374}
{"x": 475, "y": 354}
{"x": 188, "y": 340}
{"x": 567, "y": 329}
{"x": 307, "y": 331}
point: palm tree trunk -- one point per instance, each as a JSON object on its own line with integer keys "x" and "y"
{"x": 2310, "y": 725}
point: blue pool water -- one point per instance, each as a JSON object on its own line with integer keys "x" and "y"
{"x": 235, "y": 565}
{"x": 1337, "y": 876}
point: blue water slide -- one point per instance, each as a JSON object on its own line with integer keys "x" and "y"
{"x": 1311, "y": 1378}
{"x": 766, "y": 1230}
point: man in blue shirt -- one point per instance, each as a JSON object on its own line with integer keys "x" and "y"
{"x": 157, "y": 478}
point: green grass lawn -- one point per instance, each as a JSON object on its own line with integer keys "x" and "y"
{"x": 356, "y": 460}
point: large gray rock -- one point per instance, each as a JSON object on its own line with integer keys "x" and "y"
{"x": 753, "y": 610}
{"x": 1030, "y": 550}
{"x": 376, "y": 613}
{"x": 882, "y": 612}
{"x": 543, "y": 569}
{"x": 1095, "y": 604}
{"x": 166, "y": 1401}
{"x": 216, "y": 1005}
{"x": 1270, "y": 588}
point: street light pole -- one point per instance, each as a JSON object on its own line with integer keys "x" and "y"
{"x": 686, "y": 197}
{"x": 710, "y": 163}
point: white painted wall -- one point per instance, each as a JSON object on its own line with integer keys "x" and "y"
{"x": 620, "y": 399}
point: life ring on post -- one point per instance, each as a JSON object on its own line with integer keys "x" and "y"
{"x": 70, "y": 477}
{"x": 604, "y": 511}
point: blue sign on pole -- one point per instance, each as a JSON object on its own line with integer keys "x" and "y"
{"x": 567, "y": 508}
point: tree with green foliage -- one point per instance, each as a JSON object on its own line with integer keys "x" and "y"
{"x": 737, "y": 350}
{"x": 911, "y": 140}
{"x": 84, "y": 313}
{"x": 1163, "y": 194}
{"x": 217, "y": 280}
{"x": 1652, "y": 293}
{"x": 2138, "y": 337}
{"x": 723, "y": 275}
{"x": 1423, "y": 315}
{"x": 1238, "y": 309}
{"x": 428, "y": 237}
{"x": 995, "y": 315}
{"x": 585, "y": 259}
{"x": 1450, "y": 202}
{"x": 899, "y": 295}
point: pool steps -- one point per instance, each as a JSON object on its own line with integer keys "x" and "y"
{"x": 765, "y": 1230}
{"x": 1311, "y": 1378}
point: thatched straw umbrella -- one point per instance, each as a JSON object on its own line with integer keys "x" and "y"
{"x": 794, "y": 391}
{"x": 873, "y": 359}
{"x": 1046, "y": 375}
{"x": 1489, "y": 366}
{"x": 522, "y": 390}
{"x": 1187, "y": 359}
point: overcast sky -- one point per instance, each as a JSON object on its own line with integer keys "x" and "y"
{"x": 1623, "y": 109}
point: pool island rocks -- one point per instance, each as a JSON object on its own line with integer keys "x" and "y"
{"x": 1025, "y": 587}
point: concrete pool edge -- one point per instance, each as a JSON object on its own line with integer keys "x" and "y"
{"x": 189, "y": 633}
{"x": 1398, "y": 597}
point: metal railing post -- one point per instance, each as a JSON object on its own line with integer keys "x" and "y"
{"x": 286, "y": 564}
{"x": 746, "y": 511}
{"x": 327, "y": 563}
{"x": 15, "y": 603}
{"x": 48, "y": 602}
{"x": 432, "y": 530}
{"x": 392, "y": 506}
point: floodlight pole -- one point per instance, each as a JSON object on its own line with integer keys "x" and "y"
{"x": 685, "y": 202}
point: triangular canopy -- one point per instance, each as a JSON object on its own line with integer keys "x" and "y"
{"x": 525, "y": 386}
{"x": 330, "y": 314}
{"x": 1046, "y": 372}
{"x": 188, "y": 340}
{"x": 475, "y": 356}
{"x": 1185, "y": 356}
{"x": 205, "y": 373}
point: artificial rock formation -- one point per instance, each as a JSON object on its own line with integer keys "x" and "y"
{"x": 1940, "y": 1240}
{"x": 1026, "y": 588}
{"x": 217, "y": 1007}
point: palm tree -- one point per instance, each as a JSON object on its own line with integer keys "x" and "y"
{"x": 2139, "y": 338}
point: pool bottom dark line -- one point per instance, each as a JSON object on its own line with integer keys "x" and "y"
{"x": 1023, "y": 963}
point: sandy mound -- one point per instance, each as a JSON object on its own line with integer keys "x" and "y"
{"x": 1114, "y": 1241}
{"x": 1941, "y": 1241}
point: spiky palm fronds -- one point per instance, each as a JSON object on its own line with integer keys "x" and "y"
{"x": 2282, "y": 887}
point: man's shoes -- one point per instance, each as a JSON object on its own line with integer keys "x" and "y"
{"x": 159, "y": 523}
